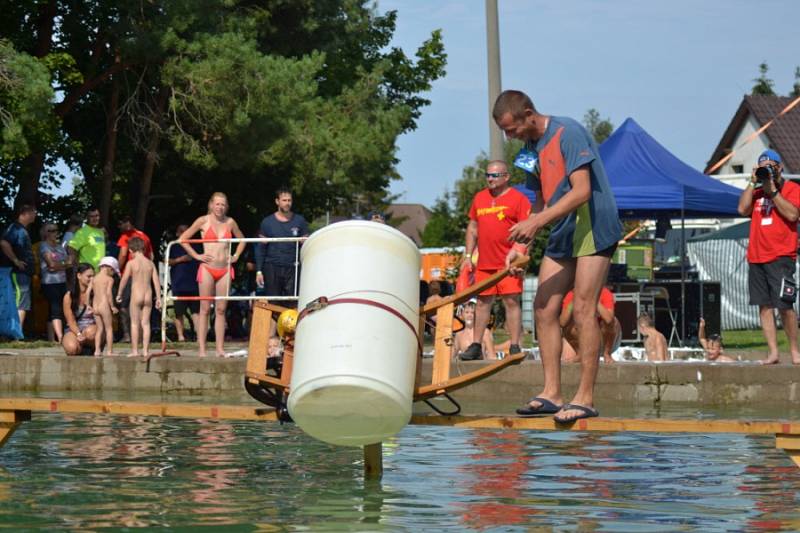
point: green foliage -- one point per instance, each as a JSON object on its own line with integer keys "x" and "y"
{"x": 764, "y": 85}
{"x": 600, "y": 129}
{"x": 796, "y": 87}
{"x": 233, "y": 95}
{"x": 451, "y": 211}
{"x": 442, "y": 229}
{"x": 25, "y": 103}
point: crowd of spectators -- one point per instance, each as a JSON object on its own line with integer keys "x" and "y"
{"x": 57, "y": 274}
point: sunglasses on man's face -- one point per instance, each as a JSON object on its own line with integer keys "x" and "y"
{"x": 496, "y": 175}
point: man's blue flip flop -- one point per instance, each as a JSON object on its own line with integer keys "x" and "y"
{"x": 545, "y": 407}
{"x": 585, "y": 412}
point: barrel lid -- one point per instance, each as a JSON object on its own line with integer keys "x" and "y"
{"x": 359, "y": 224}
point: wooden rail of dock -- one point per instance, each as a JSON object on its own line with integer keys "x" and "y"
{"x": 14, "y": 411}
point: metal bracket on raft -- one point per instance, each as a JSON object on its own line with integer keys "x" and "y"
{"x": 452, "y": 400}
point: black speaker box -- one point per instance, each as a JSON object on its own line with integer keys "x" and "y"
{"x": 702, "y": 299}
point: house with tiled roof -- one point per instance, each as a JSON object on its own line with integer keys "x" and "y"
{"x": 782, "y": 136}
{"x": 410, "y": 219}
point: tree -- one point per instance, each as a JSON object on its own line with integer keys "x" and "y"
{"x": 764, "y": 85}
{"x": 452, "y": 210}
{"x": 442, "y": 229}
{"x": 165, "y": 101}
{"x": 796, "y": 87}
{"x": 599, "y": 128}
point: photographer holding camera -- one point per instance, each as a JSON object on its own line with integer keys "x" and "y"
{"x": 774, "y": 207}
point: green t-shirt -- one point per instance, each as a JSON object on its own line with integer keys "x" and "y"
{"x": 90, "y": 243}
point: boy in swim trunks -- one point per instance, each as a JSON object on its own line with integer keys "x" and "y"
{"x": 141, "y": 272}
{"x": 102, "y": 299}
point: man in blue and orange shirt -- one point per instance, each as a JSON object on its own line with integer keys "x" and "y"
{"x": 574, "y": 197}
{"x": 494, "y": 211}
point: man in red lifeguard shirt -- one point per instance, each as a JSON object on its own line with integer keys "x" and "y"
{"x": 494, "y": 210}
{"x": 773, "y": 205}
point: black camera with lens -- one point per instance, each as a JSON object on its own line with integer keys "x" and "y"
{"x": 766, "y": 173}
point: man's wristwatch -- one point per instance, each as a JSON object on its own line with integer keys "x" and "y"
{"x": 774, "y": 193}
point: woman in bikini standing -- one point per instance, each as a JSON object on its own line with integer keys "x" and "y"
{"x": 216, "y": 271}
{"x": 78, "y": 315}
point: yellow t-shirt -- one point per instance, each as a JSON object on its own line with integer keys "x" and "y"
{"x": 90, "y": 243}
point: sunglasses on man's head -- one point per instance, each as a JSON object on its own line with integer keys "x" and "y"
{"x": 496, "y": 175}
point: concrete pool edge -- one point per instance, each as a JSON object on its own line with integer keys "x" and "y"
{"x": 696, "y": 383}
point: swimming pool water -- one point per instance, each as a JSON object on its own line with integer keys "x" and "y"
{"x": 86, "y": 472}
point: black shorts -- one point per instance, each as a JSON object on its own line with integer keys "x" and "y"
{"x": 605, "y": 252}
{"x": 608, "y": 252}
{"x": 54, "y": 294}
{"x": 181, "y": 306}
{"x": 764, "y": 281}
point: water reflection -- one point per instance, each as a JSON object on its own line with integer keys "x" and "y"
{"x": 91, "y": 472}
{"x": 496, "y": 472}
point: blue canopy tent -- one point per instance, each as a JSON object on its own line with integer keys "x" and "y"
{"x": 649, "y": 182}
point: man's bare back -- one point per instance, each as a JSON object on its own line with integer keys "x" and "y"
{"x": 655, "y": 346}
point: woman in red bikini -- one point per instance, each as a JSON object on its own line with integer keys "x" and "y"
{"x": 215, "y": 272}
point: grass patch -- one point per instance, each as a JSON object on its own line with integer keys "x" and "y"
{"x": 751, "y": 339}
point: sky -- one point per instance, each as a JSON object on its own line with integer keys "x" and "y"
{"x": 679, "y": 68}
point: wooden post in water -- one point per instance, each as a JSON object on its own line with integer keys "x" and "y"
{"x": 373, "y": 460}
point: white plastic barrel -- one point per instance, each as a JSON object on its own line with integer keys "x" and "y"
{"x": 354, "y": 364}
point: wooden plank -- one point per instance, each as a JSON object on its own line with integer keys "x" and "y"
{"x": 182, "y": 410}
{"x": 655, "y": 425}
{"x": 794, "y": 455}
{"x": 442, "y": 344}
{"x": 6, "y": 430}
{"x": 788, "y": 430}
{"x": 421, "y": 336}
{"x": 373, "y": 461}
{"x": 13, "y": 417}
{"x": 288, "y": 363}
{"x": 268, "y": 380}
{"x": 438, "y": 387}
{"x": 257, "y": 349}
{"x": 784, "y": 441}
{"x": 472, "y": 290}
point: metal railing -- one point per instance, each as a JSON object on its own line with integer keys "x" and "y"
{"x": 167, "y": 296}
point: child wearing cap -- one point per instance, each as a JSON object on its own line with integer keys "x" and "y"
{"x": 102, "y": 298}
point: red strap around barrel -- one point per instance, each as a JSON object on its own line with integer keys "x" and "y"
{"x": 323, "y": 302}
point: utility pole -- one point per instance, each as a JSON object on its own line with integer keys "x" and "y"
{"x": 493, "y": 57}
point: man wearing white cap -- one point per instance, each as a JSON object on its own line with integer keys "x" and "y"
{"x": 773, "y": 205}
